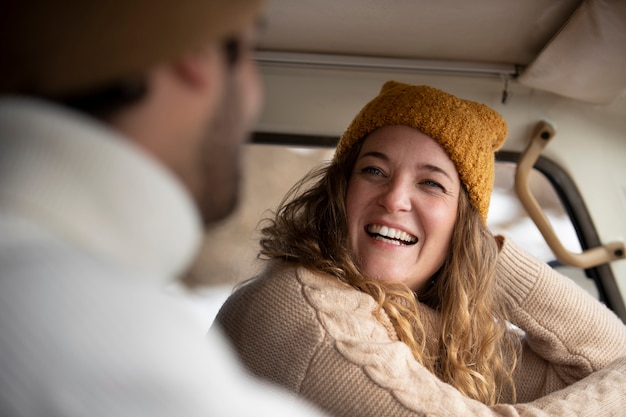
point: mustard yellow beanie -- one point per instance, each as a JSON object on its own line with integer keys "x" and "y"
{"x": 469, "y": 132}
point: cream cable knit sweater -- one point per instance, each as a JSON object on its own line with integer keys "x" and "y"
{"x": 319, "y": 338}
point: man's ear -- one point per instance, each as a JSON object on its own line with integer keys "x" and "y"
{"x": 199, "y": 68}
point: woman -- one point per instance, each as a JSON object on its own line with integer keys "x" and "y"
{"x": 386, "y": 294}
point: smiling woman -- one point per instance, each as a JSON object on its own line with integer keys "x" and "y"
{"x": 385, "y": 293}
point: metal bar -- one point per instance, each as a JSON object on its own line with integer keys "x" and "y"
{"x": 354, "y": 62}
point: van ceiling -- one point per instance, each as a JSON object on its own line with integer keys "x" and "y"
{"x": 572, "y": 48}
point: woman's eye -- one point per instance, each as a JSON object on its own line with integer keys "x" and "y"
{"x": 372, "y": 171}
{"x": 431, "y": 183}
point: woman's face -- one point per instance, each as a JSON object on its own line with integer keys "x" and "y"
{"x": 401, "y": 203}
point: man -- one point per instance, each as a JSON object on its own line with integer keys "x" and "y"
{"x": 120, "y": 128}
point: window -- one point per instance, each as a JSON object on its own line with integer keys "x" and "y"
{"x": 508, "y": 218}
{"x": 229, "y": 256}
{"x": 274, "y": 162}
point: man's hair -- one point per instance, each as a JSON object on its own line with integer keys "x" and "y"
{"x": 106, "y": 101}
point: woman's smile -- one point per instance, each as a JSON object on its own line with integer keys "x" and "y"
{"x": 390, "y": 235}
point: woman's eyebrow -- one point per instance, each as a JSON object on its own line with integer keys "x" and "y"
{"x": 375, "y": 154}
{"x": 435, "y": 168}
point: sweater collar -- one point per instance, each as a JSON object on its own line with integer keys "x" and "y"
{"x": 95, "y": 189}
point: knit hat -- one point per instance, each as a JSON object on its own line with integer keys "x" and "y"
{"x": 469, "y": 132}
{"x": 59, "y": 48}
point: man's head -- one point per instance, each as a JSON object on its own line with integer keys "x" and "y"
{"x": 174, "y": 77}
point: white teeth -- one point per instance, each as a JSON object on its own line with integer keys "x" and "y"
{"x": 391, "y": 233}
{"x": 393, "y": 242}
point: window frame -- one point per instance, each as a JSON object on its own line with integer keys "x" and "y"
{"x": 562, "y": 183}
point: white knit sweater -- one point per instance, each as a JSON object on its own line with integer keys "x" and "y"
{"x": 91, "y": 229}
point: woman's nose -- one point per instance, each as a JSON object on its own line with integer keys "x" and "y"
{"x": 396, "y": 196}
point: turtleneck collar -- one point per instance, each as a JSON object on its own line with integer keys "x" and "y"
{"x": 95, "y": 189}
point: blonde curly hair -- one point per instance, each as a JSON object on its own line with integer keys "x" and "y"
{"x": 474, "y": 352}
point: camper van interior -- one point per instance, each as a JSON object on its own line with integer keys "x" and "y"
{"x": 393, "y": 281}
{"x": 556, "y": 71}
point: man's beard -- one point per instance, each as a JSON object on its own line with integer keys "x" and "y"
{"x": 220, "y": 157}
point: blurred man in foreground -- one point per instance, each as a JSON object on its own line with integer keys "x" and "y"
{"x": 120, "y": 129}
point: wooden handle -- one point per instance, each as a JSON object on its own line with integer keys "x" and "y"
{"x": 588, "y": 258}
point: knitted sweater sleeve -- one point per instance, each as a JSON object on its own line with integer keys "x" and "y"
{"x": 568, "y": 334}
{"x": 321, "y": 340}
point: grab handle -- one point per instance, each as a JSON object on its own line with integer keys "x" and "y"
{"x": 588, "y": 258}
